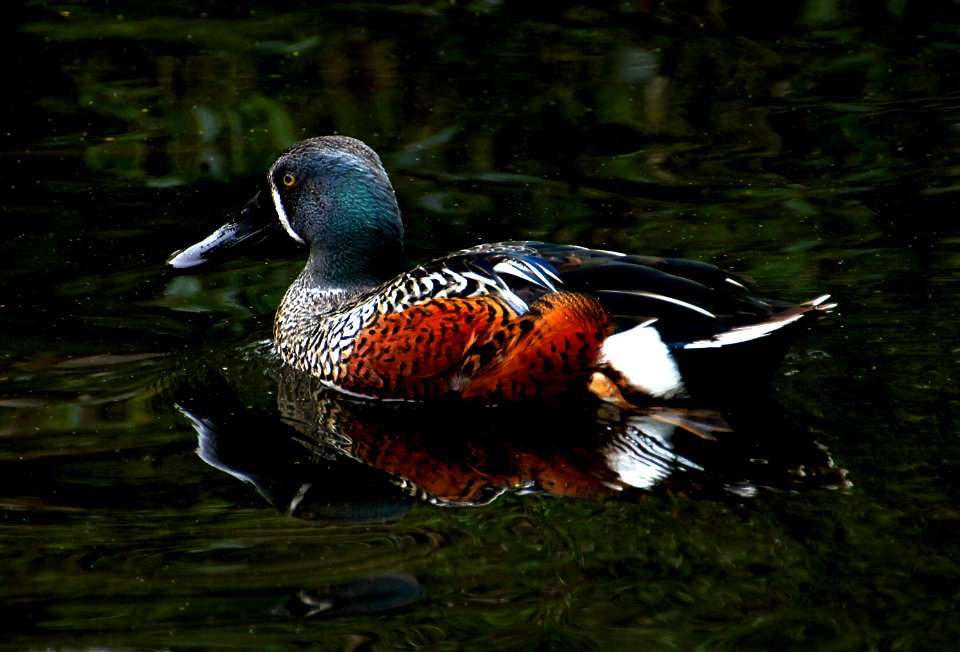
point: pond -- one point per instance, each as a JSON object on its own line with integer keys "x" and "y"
{"x": 167, "y": 484}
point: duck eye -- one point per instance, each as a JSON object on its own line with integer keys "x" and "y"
{"x": 289, "y": 180}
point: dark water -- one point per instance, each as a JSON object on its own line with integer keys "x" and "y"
{"x": 165, "y": 485}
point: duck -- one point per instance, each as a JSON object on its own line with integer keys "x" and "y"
{"x": 492, "y": 323}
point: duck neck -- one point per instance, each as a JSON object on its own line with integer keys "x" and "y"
{"x": 361, "y": 246}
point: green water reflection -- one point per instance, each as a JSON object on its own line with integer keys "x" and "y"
{"x": 813, "y": 146}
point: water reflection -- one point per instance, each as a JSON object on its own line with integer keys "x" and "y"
{"x": 365, "y": 595}
{"x": 337, "y": 458}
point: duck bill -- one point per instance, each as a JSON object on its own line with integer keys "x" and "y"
{"x": 253, "y": 225}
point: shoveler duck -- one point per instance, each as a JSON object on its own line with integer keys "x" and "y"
{"x": 496, "y": 322}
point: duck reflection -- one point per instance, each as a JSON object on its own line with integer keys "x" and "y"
{"x": 346, "y": 459}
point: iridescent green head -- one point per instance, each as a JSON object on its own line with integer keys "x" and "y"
{"x": 333, "y": 194}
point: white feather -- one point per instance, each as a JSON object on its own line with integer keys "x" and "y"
{"x": 501, "y": 289}
{"x": 734, "y": 282}
{"x": 284, "y": 220}
{"x": 665, "y": 299}
{"x": 527, "y": 272}
{"x": 742, "y": 334}
{"x": 483, "y": 281}
{"x": 644, "y": 361}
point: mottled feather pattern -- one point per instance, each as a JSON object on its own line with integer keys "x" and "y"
{"x": 319, "y": 330}
{"x": 479, "y": 348}
{"x": 417, "y": 352}
{"x": 544, "y": 353}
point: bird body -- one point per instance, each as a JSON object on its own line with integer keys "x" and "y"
{"x": 495, "y": 323}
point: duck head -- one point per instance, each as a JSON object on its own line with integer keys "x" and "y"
{"x": 331, "y": 194}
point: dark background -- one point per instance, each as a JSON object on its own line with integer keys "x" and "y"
{"x": 813, "y": 146}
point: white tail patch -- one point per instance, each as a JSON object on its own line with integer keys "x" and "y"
{"x": 750, "y": 332}
{"x": 644, "y": 361}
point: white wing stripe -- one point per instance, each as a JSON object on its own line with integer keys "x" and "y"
{"x": 743, "y": 333}
{"x": 660, "y": 297}
{"x": 529, "y": 272}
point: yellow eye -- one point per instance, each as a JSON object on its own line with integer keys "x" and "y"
{"x": 289, "y": 180}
